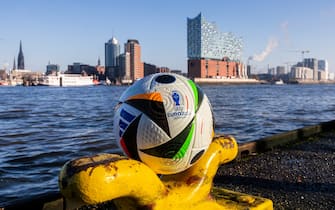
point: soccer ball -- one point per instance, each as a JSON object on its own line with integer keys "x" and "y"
{"x": 164, "y": 120}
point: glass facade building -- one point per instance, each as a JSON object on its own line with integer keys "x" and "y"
{"x": 323, "y": 66}
{"x": 112, "y": 55}
{"x": 112, "y": 52}
{"x": 204, "y": 40}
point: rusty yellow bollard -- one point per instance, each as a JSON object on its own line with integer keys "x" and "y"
{"x": 130, "y": 184}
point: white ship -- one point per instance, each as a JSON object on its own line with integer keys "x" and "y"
{"x": 67, "y": 80}
{"x": 278, "y": 82}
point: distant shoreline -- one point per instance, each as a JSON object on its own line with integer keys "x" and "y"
{"x": 236, "y": 81}
{"x": 316, "y": 82}
{"x": 227, "y": 81}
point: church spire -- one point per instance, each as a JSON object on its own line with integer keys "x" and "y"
{"x": 20, "y": 59}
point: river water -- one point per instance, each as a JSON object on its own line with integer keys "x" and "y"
{"x": 43, "y": 127}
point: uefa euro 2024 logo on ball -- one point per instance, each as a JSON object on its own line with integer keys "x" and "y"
{"x": 179, "y": 109}
{"x": 175, "y": 97}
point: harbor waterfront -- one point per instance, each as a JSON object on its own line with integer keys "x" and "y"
{"x": 43, "y": 127}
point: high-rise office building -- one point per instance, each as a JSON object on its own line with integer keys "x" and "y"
{"x": 125, "y": 67}
{"x": 272, "y": 71}
{"x": 112, "y": 53}
{"x": 136, "y": 65}
{"x": 312, "y": 63}
{"x": 280, "y": 70}
{"x": 323, "y": 66}
{"x": 211, "y": 53}
{"x": 20, "y": 58}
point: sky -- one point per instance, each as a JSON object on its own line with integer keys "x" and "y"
{"x": 62, "y": 32}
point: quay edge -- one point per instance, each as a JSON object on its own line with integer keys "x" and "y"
{"x": 54, "y": 200}
{"x": 296, "y": 174}
{"x": 294, "y": 136}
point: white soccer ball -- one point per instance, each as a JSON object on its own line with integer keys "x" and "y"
{"x": 164, "y": 120}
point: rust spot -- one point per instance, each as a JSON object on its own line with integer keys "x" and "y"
{"x": 176, "y": 185}
{"x": 110, "y": 166}
{"x": 147, "y": 207}
{"x": 223, "y": 136}
{"x": 169, "y": 187}
{"x": 227, "y": 144}
{"x": 193, "y": 179}
{"x": 166, "y": 192}
{"x": 84, "y": 163}
{"x": 114, "y": 167}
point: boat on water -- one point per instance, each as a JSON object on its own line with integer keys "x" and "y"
{"x": 4, "y": 83}
{"x": 278, "y": 82}
{"x": 67, "y": 80}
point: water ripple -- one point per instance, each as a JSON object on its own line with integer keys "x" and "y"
{"x": 43, "y": 127}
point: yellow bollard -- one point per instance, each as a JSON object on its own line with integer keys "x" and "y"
{"x": 131, "y": 184}
{"x": 104, "y": 177}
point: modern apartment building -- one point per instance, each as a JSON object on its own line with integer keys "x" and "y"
{"x": 310, "y": 69}
{"x": 312, "y": 63}
{"x": 323, "y": 66}
{"x": 299, "y": 73}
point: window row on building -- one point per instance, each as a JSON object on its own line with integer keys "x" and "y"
{"x": 123, "y": 67}
{"x": 209, "y": 68}
{"x": 204, "y": 40}
{"x": 212, "y": 53}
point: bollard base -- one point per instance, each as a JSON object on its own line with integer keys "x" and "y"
{"x": 235, "y": 200}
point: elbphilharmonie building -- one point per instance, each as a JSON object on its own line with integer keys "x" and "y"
{"x": 210, "y": 52}
{"x": 204, "y": 40}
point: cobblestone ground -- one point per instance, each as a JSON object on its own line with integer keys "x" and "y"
{"x": 300, "y": 176}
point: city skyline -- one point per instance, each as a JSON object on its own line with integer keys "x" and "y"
{"x": 62, "y": 32}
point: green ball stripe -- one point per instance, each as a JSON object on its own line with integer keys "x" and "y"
{"x": 177, "y": 145}
{"x": 195, "y": 92}
{"x": 182, "y": 151}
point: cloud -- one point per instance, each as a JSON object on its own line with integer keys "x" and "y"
{"x": 272, "y": 44}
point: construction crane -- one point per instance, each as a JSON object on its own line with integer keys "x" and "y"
{"x": 302, "y": 53}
